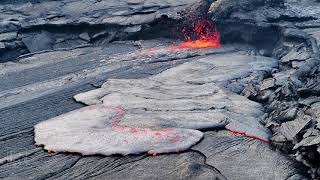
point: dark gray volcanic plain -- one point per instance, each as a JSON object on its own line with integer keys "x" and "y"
{"x": 101, "y": 89}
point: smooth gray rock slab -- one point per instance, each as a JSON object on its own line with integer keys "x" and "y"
{"x": 37, "y": 165}
{"x": 309, "y": 141}
{"x": 290, "y": 129}
{"x": 96, "y": 130}
{"x": 8, "y": 36}
{"x": 40, "y": 165}
{"x": 296, "y": 54}
{"x": 219, "y": 68}
{"x": 189, "y": 165}
{"x": 38, "y": 42}
{"x": 222, "y": 9}
{"x": 239, "y": 157}
{"x": 267, "y": 83}
{"x": 315, "y": 33}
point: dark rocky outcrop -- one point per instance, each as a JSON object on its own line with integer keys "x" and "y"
{"x": 291, "y": 91}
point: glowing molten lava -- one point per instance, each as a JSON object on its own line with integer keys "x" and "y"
{"x": 204, "y": 35}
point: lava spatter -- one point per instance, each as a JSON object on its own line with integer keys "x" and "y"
{"x": 204, "y": 35}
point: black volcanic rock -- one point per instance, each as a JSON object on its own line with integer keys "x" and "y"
{"x": 50, "y": 25}
{"x": 221, "y": 9}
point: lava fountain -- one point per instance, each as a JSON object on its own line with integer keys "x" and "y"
{"x": 204, "y": 34}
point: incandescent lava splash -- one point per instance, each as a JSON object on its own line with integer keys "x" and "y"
{"x": 204, "y": 35}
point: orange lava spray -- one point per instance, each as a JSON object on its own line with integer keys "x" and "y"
{"x": 204, "y": 35}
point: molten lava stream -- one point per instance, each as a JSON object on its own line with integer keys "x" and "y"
{"x": 200, "y": 44}
{"x": 204, "y": 35}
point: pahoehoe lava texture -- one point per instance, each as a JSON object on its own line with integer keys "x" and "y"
{"x": 246, "y": 110}
{"x": 92, "y": 130}
{"x": 186, "y": 96}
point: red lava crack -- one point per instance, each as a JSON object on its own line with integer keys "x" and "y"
{"x": 159, "y": 133}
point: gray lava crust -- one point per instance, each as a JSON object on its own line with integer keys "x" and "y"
{"x": 103, "y": 86}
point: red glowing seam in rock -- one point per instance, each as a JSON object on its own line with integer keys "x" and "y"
{"x": 158, "y": 133}
{"x": 250, "y": 136}
{"x": 121, "y": 113}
